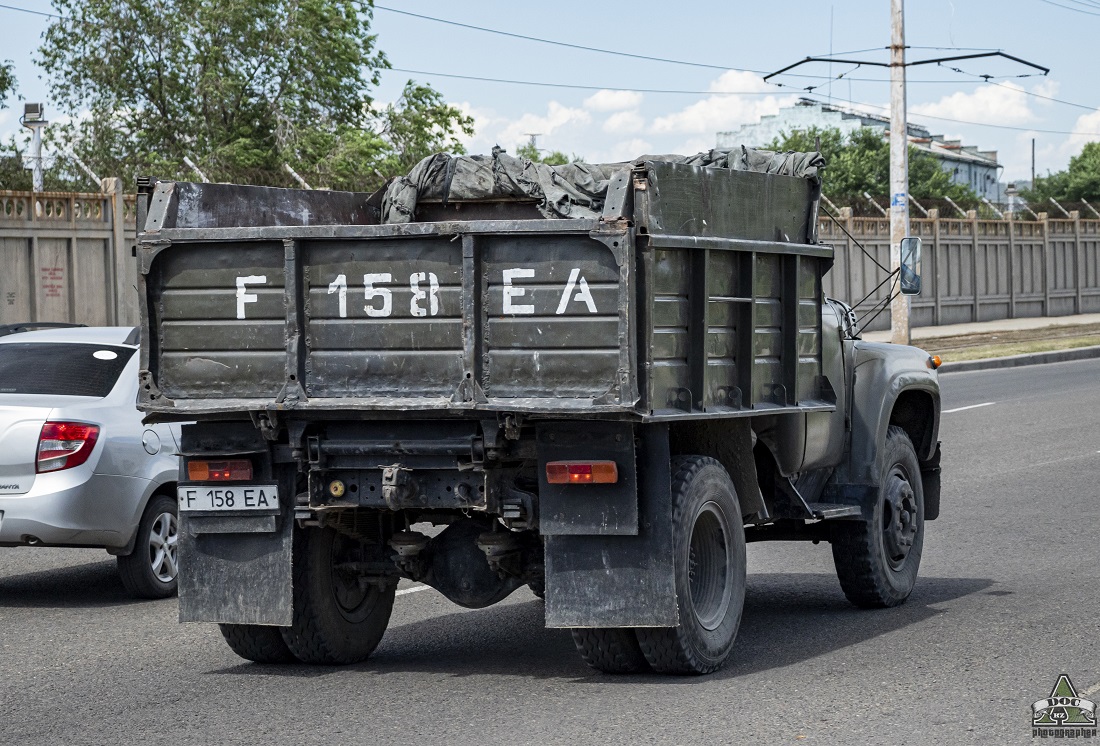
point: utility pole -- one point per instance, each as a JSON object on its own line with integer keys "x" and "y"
{"x": 1033, "y": 164}
{"x": 899, "y": 170}
{"x": 899, "y": 140}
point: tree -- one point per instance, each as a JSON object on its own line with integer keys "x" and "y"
{"x": 7, "y": 82}
{"x": 531, "y": 152}
{"x": 239, "y": 86}
{"x": 1081, "y": 181}
{"x": 860, "y": 162}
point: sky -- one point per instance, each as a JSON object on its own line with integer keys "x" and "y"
{"x": 623, "y": 107}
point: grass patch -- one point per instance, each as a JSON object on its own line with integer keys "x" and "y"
{"x": 1007, "y": 348}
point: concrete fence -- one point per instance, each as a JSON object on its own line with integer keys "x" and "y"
{"x": 973, "y": 270}
{"x": 68, "y": 257}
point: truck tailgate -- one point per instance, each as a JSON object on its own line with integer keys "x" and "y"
{"x": 530, "y": 315}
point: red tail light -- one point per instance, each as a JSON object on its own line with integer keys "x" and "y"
{"x": 582, "y": 472}
{"x": 63, "y": 445}
{"x": 219, "y": 471}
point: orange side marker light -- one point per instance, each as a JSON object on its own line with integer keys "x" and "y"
{"x": 582, "y": 472}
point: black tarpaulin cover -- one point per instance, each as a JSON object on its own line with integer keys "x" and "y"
{"x": 575, "y": 190}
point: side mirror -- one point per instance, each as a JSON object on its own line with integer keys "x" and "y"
{"x": 910, "y": 266}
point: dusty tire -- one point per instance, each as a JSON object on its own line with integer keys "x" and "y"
{"x": 150, "y": 571}
{"x": 709, "y": 561}
{"x": 611, "y": 650}
{"x": 877, "y": 560}
{"x": 257, "y": 643}
{"x": 335, "y": 620}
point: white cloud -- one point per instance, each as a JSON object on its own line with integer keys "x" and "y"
{"x": 723, "y": 111}
{"x": 625, "y": 150}
{"x": 624, "y": 123}
{"x": 558, "y": 120}
{"x": 482, "y": 119}
{"x": 1001, "y": 104}
{"x": 1088, "y": 128}
{"x": 606, "y": 100}
{"x": 1047, "y": 87}
{"x": 694, "y": 145}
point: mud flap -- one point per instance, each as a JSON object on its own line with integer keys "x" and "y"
{"x": 620, "y": 580}
{"x": 236, "y": 569}
{"x": 930, "y": 478}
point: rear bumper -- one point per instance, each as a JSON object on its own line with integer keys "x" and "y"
{"x": 59, "y": 511}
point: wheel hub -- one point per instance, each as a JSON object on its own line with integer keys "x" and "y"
{"x": 353, "y": 593}
{"x": 163, "y": 540}
{"x": 709, "y": 567}
{"x": 899, "y": 518}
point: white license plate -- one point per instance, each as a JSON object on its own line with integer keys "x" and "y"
{"x": 236, "y": 497}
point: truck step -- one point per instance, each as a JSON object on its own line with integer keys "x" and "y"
{"x": 826, "y": 511}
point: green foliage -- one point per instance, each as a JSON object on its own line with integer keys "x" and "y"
{"x": 1081, "y": 181}
{"x": 239, "y": 86}
{"x": 7, "y": 82}
{"x": 860, "y": 163}
{"x": 531, "y": 152}
{"x": 61, "y": 174}
{"x": 419, "y": 124}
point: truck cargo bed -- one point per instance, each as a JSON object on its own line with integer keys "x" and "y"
{"x": 697, "y": 293}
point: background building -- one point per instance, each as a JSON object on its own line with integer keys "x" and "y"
{"x": 966, "y": 164}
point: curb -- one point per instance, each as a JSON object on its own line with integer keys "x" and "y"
{"x": 1016, "y": 361}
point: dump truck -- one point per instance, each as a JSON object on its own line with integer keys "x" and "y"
{"x": 596, "y": 382}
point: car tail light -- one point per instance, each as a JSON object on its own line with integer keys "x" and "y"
{"x": 239, "y": 470}
{"x": 63, "y": 445}
{"x": 582, "y": 472}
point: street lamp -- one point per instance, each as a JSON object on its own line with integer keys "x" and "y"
{"x": 34, "y": 119}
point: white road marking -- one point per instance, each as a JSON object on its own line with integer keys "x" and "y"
{"x": 972, "y": 406}
{"x": 1094, "y": 688}
{"x": 414, "y": 589}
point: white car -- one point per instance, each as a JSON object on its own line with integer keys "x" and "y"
{"x": 77, "y": 466}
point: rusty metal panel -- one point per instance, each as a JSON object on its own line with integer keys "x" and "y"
{"x": 717, "y": 202}
{"x": 220, "y": 319}
{"x": 187, "y": 205}
{"x": 552, "y": 317}
{"x": 669, "y": 376}
{"x": 383, "y": 317}
{"x": 736, "y": 326}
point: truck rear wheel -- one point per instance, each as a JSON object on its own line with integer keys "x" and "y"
{"x": 709, "y": 559}
{"x": 611, "y": 650}
{"x": 337, "y": 618}
{"x": 257, "y": 643}
{"x": 877, "y": 559}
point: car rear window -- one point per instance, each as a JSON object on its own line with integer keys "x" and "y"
{"x": 62, "y": 369}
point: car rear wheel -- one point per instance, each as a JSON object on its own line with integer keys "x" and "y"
{"x": 150, "y": 570}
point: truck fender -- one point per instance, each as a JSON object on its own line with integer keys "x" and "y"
{"x": 892, "y": 385}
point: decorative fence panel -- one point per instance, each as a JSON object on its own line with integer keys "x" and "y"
{"x": 67, "y": 257}
{"x": 974, "y": 270}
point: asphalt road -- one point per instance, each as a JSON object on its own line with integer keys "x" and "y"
{"x": 1008, "y": 599}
